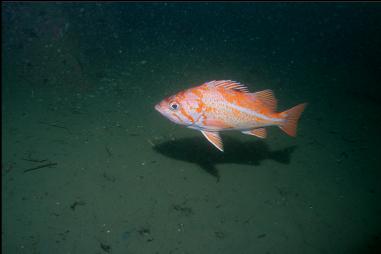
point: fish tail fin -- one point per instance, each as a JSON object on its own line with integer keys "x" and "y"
{"x": 291, "y": 117}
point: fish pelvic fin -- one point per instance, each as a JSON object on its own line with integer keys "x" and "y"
{"x": 214, "y": 138}
{"x": 291, "y": 117}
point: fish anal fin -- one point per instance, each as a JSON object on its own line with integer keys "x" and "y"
{"x": 267, "y": 98}
{"x": 229, "y": 85}
{"x": 258, "y": 132}
{"x": 214, "y": 138}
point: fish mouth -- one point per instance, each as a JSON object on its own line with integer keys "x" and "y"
{"x": 157, "y": 107}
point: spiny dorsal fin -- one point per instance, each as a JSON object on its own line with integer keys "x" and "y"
{"x": 267, "y": 98}
{"x": 259, "y": 132}
{"x": 229, "y": 84}
{"x": 214, "y": 138}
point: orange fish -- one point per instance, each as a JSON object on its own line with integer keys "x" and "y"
{"x": 228, "y": 105}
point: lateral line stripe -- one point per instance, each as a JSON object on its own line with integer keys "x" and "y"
{"x": 253, "y": 113}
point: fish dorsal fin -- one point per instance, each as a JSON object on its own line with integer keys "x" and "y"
{"x": 214, "y": 138}
{"x": 259, "y": 132}
{"x": 229, "y": 84}
{"x": 267, "y": 98}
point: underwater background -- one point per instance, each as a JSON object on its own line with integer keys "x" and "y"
{"x": 89, "y": 166}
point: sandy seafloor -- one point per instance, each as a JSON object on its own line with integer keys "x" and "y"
{"x": 127, "y": 180}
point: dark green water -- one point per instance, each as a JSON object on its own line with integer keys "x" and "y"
{"x": 88, "y": 165}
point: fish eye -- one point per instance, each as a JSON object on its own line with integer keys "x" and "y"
{"x": 174, "y": 105}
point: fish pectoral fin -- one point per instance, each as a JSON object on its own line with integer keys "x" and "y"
{"x": 214, "y": 138}
{"x": 259, "y": 132}
{"x": 216, "y": 123}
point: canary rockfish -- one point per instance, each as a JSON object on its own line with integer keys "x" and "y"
{"x": 228, "y": 105}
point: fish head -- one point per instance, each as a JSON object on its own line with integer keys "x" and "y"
{"x": 181, "y": 108}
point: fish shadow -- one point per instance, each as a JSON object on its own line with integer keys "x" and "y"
{"x": 198, "y": 151}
